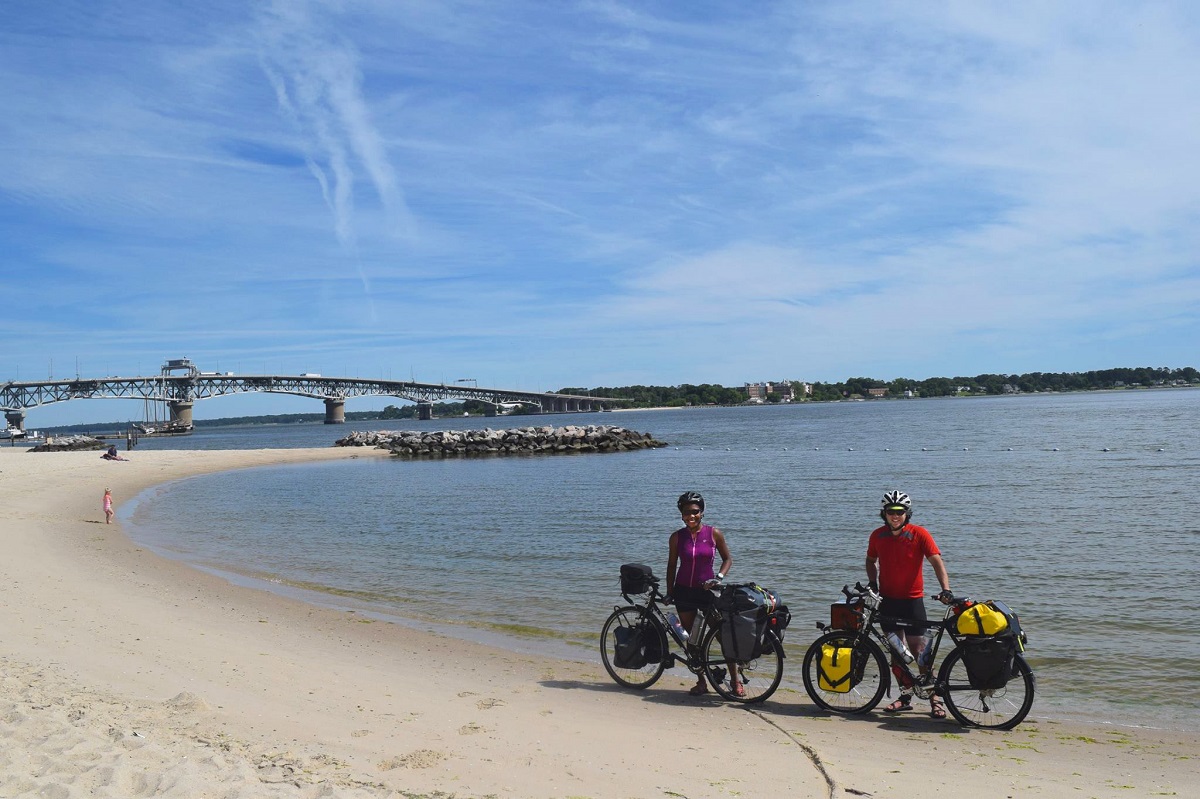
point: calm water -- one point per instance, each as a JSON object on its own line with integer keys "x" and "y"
{"x": 1077, "y": 510}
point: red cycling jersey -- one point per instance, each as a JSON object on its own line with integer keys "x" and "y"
{"x": 900, "y": 560}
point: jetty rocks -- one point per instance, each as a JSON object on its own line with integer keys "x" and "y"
{"x": 69, "y": 444}
{"x": 519, "y": 441}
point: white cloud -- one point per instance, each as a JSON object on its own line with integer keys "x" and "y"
{"x": 800, "y": 189}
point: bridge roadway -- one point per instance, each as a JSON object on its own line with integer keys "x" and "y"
{"x": 180, "y": 392}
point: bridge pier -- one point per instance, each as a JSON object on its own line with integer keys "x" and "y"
{"x": 181, "y": 413}
{"x": 335, "y": 411}
{"x": 15, "y": 419}
{"x": 424, "y": 411}
{"x": 490, "y": 410}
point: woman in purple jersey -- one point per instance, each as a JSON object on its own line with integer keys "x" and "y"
{"x": 692, "y": 550}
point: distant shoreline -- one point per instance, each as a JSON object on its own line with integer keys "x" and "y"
{"x": 282, "y": 420}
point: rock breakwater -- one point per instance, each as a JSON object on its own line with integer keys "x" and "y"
{"x": 69, "y": 444}
{"x": 569, "y": 439}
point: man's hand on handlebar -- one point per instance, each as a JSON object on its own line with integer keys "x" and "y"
{"x": 946, "y": 596}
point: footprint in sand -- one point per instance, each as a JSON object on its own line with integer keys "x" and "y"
{"x": 484, "y": 704}
{"x": 422, "y": 758}
{"x": 471, "y": 729}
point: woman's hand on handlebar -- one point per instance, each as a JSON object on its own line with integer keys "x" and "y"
{"x": 713, "y": 583}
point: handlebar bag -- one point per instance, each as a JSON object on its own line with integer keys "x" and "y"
{"x": 833, "y": 669}
{"x": 846, "y": 615}
{"x": 636, "y": 578}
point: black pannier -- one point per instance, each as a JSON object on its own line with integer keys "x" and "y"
{"x": 991, "y": 659}
{"x": 990, "y": 662}
{"x": 630, "y": 649}
{"x": 778, "y": 621}
{"x": 654, "y": 642}
{"x": 637, "y": 645}
{"x": 746, "y": 609}
{"x": 636, "y": 578}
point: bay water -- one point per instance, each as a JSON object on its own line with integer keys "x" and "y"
{"x": 1077, "y": 510}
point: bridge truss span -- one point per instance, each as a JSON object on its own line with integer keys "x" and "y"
{"x": 180, "y": 392}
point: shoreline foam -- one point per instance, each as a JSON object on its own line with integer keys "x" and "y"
{"x": 124, "y": 673}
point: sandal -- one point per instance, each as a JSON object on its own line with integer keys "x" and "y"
{"x": 698, "y": 690}
{"x": 937, "y": 710}
{"x": 900, "y": 705}
{"x": 739, "y": 690}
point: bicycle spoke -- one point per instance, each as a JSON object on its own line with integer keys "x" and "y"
{"x": 637, "y": 673}
{"x": 866, "y": 682}
{"x": 999, "y": 708}
{"x": 743, "y": 680}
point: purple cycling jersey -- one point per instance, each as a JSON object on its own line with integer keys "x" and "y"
{"x": 695, "y": 557}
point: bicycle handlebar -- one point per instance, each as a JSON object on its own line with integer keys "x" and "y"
{"x": 861, "y": 590}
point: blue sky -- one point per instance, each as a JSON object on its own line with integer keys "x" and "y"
{"x": 539, "y": 195}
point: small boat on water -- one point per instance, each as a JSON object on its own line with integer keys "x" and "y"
{"x": 16, "y": 433}
{"x": 163, "y": 428}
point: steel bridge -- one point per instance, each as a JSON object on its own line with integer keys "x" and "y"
{"x": 179, "y": 392}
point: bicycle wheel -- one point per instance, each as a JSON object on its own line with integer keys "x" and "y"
{"x": 758, "y": 677}
{"x": 868, "y": 677}
{"x": 646, "y": 673}
{"x": 997, "y": 708}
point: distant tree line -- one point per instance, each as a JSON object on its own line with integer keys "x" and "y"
{"x": 1145, "y": 376}
{"x": 667, "y": 396}
{"x": 439, "y": 409}
{"x": 712, "y": 394}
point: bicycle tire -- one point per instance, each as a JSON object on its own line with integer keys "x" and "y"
{"x": 998, "y": 709}
{"x": 758, "y": 677}
{"x": 648, "y": 674}
{"x": 868, "y": 663}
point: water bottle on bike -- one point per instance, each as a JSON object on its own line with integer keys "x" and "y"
{"x": 903, "y": 656}
{"x": 673, "y": 620}
{"x": 899, "y": 647}
{"x": 925, "y": 659}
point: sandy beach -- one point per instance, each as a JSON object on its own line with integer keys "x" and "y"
{"x": 123, "y": 674}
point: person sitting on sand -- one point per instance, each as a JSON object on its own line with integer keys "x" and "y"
{"x": 690, "y": 559}
{"x": 112, "y": 455}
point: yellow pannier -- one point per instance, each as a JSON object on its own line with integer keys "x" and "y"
{"x": 982, "y": 619}
{"x": 833, "y": 672}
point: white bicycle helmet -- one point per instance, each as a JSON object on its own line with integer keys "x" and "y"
{"x": 896, "y": 499}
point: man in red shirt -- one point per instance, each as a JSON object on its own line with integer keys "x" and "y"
{"x": 896, "y": 554}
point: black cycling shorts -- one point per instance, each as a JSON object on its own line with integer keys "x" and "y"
{"x": 692, "y": 599}
{"x": 912, "y": 610}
